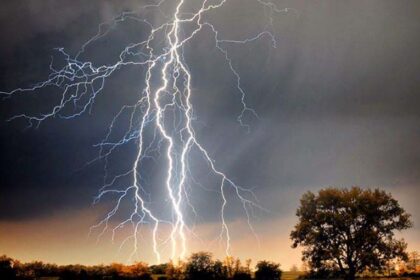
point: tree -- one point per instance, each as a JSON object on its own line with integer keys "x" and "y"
{"x": 139, "y": 269}
{"x": 267, "y": 271}
{"x": 228, "y": 263}
{"x": 294, "y": 268}
{"x": 35, "y": 268}
{"x": 349, "y": 230}
{"x": 248, "y": 266}
{"x": 175, "y": 272}
{"x": 219, "y": 270}
{"x": 241, "y": 272}
{"x": 199, "y": 266}
{"x": 6, "y": 268}
{"x": 413, "y": 263}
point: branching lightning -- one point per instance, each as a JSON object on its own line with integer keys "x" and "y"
{"x": 164, "y": 106}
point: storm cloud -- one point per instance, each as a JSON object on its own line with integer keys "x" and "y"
{"x": 337, "y": 100}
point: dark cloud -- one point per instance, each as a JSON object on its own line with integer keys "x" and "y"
{"x": 337, "y": 100}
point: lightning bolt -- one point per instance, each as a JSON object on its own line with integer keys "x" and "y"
{"x": 164, "y": 106}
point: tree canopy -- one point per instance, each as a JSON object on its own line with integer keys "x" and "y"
{"x": 200, "y": 266}
{"x": 350, "y": 230}
{"x": 267, "y": 271}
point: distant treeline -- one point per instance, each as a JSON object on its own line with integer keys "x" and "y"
{"x": 200, "y": 266}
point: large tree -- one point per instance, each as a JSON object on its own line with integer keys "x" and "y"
{"x": 349, "y": 230}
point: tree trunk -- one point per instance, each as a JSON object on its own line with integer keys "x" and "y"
{"x": 351, "y": 275}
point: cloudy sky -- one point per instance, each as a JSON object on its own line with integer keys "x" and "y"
{"x": 337, "y": 102}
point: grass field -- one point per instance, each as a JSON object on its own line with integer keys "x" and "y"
{"x": 291, "y": 275}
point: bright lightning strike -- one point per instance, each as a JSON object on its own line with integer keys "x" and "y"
{"x": 164, "y": 106}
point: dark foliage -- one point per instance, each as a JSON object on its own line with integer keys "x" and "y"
{"x": 267, "y": 271}
{"x": 241, "y": 276}
{"x": 159, "y": 268}
{"x": 6, "y": 269}
{"x": 200, "y": 266}
{"x": 347, "y": 231}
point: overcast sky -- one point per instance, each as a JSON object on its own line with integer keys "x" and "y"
{"x": 337, "y": 99}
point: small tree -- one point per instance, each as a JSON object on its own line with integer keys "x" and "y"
{"x": 294, "y": 268}
{"x": 267, "y": 271}
{"x": 6, "y": 268}
{"x": 175, "y": 272}
{"x": 349, "y": 230}
{"x": 199, "y": 267}
{"x": 248, "y": 266}
{"x": 219, "y": 270}
{"x": 140, "y": 270}
{"x": 413, "y": 263}
{"x": 228, "y": 263}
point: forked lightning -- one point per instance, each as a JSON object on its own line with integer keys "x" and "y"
{"x": 164, "y": 107}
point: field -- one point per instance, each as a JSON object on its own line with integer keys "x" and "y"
{"x": 290, "y": 275}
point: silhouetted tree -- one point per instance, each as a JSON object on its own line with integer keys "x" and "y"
{"x": 349, "y": 230}
{"x": 267, "y": 271}
{"x": 248, "y": 266}
{"x": 199, "y": 267}
{"x": 219, "y": 270}
{"x": 35, "y": 269}
{"x": 175, "y": 272}
{"x": 6, "y": 268}
{"x": 240, "y": 272}
{"x": 228, "y": 264}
